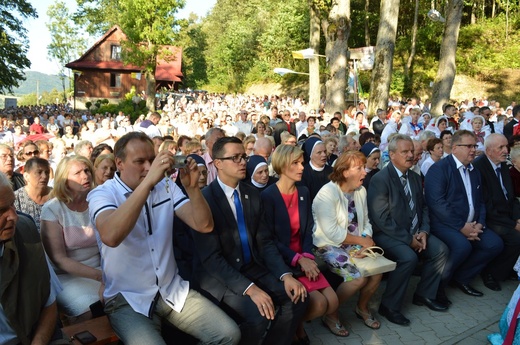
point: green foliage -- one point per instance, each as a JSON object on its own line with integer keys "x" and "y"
{"x": 67, "y": 44}
{"x": 46, "y": 98}
{"x": 88, "y": 105}
{"x": 13, "y": 42}
{"x": 193, "y": 42}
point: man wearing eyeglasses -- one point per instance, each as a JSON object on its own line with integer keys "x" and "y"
{"x": 453, "y": 191}
{"x": 239, "y": 264}
{"x": 7, "y": 167}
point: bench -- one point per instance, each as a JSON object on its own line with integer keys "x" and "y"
{"x": 99, "y": 327}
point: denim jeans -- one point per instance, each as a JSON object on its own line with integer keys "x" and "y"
{"x": 199, "y": 318}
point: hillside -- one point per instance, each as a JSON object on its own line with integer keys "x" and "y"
{"x": 47, "y": 83}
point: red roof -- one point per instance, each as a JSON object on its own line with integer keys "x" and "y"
{"x": 165, "y": 71}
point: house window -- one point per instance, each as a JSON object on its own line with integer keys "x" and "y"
{"x": 115, "y": 80}
{"x": 115, "y": 52}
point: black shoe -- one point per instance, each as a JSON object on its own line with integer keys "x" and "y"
{"x": 442, "y": 298}
{"x": 490, "y": 282}
{"x": 430, "y": 303}
{"x": 393, "y": 316}
{"x": 468, "y": 290}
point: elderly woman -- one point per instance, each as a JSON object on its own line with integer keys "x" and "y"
{"x": 30, "y": 199}
{"x": 341, "y": 217}
{"x": 288, "y": 212}
{"x": 331, "y": 145}
{"x": 434, "y": 148}
{"x": 104, "y": 168}
{"x": 257, "y": 173}
{"x": 373, "y": 155}
{"x": 28, "y": 150}
{"x": 69, "y": 238}
{"x": 316, "y": 172}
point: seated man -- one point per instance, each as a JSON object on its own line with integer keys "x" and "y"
{"x": 7, "y": 167}
{"x": 28, "y": 310}
{"x": 399, "y": 217}
{"x": 240, "y": 266}
{"x": 453, "y": 191}
{"x": 133, "y": 213}
{"x": 502, "y": 208}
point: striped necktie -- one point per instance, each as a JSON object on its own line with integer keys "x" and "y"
{"x": 408, "y": 193}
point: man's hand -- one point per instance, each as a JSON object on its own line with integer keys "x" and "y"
{"x": 517, "y": 225}
{"x": 310, "y": 267}
{"x": 294, "y": 289}
{"x": 263, "y": 301}
{"x": 189, "y": 175}
{"x": 162, "y": 163}
{"x": 422, "y": 239}
{"x": 471, "y": 231}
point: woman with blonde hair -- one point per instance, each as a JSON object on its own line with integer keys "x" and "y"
{"x": 288, "y": 212}
{"x": 69, "y": 238}
{"x": 170, "y": 145}
{"x": 341, "y": 216}
{"x": 104, "y": 168}
{"x": 249, "y": 145}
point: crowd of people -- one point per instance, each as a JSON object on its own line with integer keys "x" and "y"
{"x": 270, "y": 203}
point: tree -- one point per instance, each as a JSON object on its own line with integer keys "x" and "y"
{"x": 67, "y": 43}
{"x": 13, "y": 42}
{"x": 384, "y": 55}
{"x": 193, "y": 42}
{"x": 314, "y": 63}
{"x": 336, "y": 28}
{"x": 447, "y": 66}
{"x": 408, "y": 67}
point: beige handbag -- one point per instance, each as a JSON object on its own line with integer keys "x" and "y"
{"x": 373, "y": 263}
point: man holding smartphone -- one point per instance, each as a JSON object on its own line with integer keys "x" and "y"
{"x": 133, "y": 215}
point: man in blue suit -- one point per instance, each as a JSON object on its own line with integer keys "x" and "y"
{"x": 453, "y": 192}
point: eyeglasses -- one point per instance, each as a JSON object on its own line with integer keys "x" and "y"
{"x": 5, "y": 157}
{"x": 236, "y": 158}
{"x": 469, "y": 146}
{"x": 32, "y": 153}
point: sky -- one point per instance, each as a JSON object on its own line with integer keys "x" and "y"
{"x": 39, "y": 36}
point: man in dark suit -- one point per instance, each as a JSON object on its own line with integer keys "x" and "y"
{"x": 285, "y": 125}
{"x": 240, "y": 266}
{"x": 400, "y": 221}
{"x": 453, "y": 191}
{"x": 486, "y": 113}
{"x": 508, "y": 129}
{"x": 502, "y": 209}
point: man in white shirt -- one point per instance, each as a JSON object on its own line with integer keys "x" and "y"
{"x": 133, "y": 216}
{"x": 302, "y": 124}
{"x": 243, "y": 125}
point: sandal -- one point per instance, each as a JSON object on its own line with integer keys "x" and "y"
{"x": 368, "y": 319}
{"x": 336, "y": 328}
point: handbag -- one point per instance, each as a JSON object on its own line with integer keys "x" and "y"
{"x": 373, "y": 263}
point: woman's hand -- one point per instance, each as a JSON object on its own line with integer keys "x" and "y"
{"x": 309, "y": 267}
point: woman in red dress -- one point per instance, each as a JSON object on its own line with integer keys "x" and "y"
{"x": 288, "y": 212}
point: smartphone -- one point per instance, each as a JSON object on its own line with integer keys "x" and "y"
{"x": 85, "y": 337}
{"x": 179, "y": 162}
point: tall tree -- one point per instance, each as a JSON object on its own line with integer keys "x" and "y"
{"x": 384, "y": 55}
{"x": 336, "y": 28}
{"x": 67, "y": 43}
{"x": 314, "y": 63}
{"x": 447, "y": 66}
{"x": 408, "y": 67}
{"x": 13, "y": 42}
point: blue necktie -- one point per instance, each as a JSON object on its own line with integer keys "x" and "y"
{"x": 242, "y": 228}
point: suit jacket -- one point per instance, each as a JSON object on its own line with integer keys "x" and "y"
{"x": 388, "y": 207}
{"x": 277, "y": 217}
{"x": 508, "y": 129}
{"x": 279, "y": 128}
{"x": 446, "y": 196}
{"x": 499, "y": 210}
{"x": 220, "y": 265}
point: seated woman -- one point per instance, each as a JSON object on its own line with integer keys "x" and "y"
{"x": 288, "y": 139}
{"x": 373, "y": 155}
{"x": 316, "y": 172}
{"x": 257, "y": 173}
{"x": 434, "y": 148}
{"x": 30, "y": 199}
{"x": 28, "y": 150}
{"x": 288, "y": 212}
{"x": 331, "y": 144}
{"x": 341, "y": 217}
{"x": 249, "y": 144}
{"x": 104, "y": 168}
{"x": 69, "y": 238}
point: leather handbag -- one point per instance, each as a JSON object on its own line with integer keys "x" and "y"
{"x": 373, "y": 262}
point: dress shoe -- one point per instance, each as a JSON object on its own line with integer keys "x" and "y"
{"x": 393, "y": 316}
{"x": 490, "y": 282}
{"x": 442, "y": 298}
{"x": 468, "y": 290}
{"x": 430, "y": 303}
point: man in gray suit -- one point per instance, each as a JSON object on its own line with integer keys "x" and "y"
{"x": 399, "y": 217}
